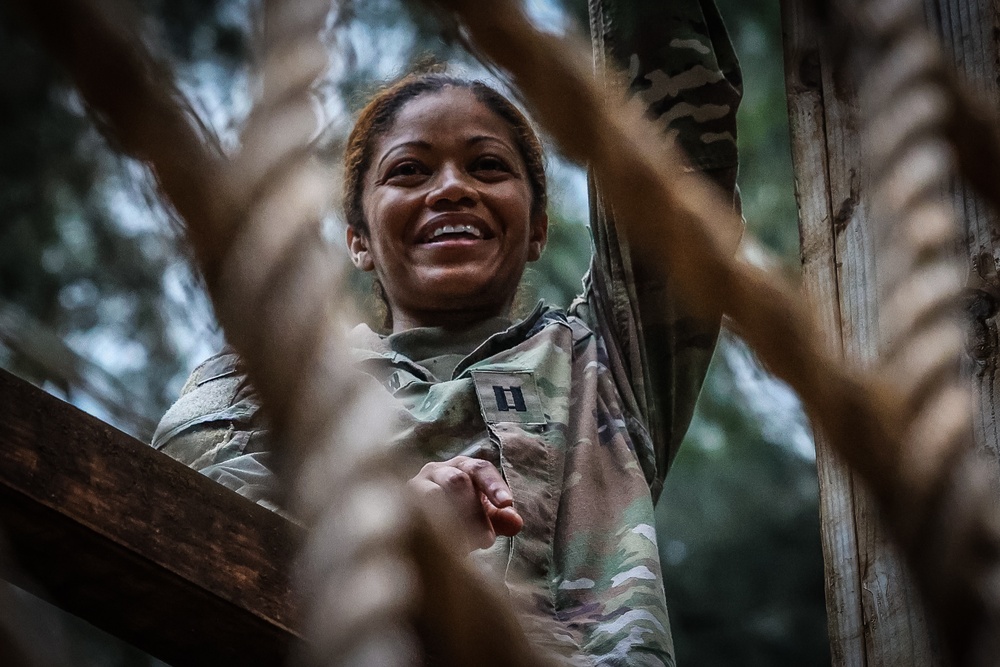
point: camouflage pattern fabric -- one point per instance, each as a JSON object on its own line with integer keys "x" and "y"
{"x": 218, "y": 406}
{"x": 680, "y": 61}
{"x": 543, "y": 401}
{"x": 217, "y": 420}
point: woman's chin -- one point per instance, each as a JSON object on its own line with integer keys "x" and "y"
{"x": 468, "y": 292}
{"x": 469, "y": 281}
{"x": 473, "y": 301}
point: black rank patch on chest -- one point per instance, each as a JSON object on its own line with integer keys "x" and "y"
{"x": 510, "y": 396}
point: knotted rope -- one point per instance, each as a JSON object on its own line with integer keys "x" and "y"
{"x": 277, "y": 297}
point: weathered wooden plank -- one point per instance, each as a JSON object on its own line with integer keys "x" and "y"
{"x": 803, "y": 77}
{"x": 970, "y": 32}
{"x": 876, "y": 618}
{"x": 138, "y": 544}
{"x": 894, "y": 630}
{"x": 894, "y": 626}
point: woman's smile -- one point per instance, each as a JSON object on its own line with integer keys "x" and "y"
{"x": 454, "y": 228}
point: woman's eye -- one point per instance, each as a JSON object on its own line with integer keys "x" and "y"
{"x": 491, "y": 163}
{"x": 405, "y": 169}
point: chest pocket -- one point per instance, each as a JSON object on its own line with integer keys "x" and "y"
{"x": 509, "y": 397}
{"x": 531, "y": 459}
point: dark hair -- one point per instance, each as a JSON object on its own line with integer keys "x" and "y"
{"x": 377, "y": 117}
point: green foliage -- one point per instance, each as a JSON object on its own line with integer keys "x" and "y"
{"x": 766, "y": 179}
{"x": 739, "y": 537}
{"x": 557, "y": 276}
{"x": 80, "y": 250}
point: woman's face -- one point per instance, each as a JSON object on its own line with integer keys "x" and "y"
{"x": 448, "y": 206}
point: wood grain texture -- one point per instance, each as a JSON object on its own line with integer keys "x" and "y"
{"x": 970, "y": 32}
{"x": 138, "y": 544}
{"x": 803, "y": 76}
{"x": 892, "y": 628}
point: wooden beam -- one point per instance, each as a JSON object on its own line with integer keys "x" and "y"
{"x": 138, "y": 544}
{"x": 876, "y": 616}
{"x": 807, "y": 120}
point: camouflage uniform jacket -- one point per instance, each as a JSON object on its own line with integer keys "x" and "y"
{"x": 550, "y": 402}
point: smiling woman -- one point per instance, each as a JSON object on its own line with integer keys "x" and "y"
{"x": 543, "y": 442}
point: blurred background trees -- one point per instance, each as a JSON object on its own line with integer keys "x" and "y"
{"x": 97, "y": 303}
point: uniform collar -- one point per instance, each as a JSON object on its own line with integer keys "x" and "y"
{"x": 366, "y": 345}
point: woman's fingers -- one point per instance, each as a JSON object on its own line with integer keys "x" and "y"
{"x": 463, "y": 496}
{"x": 476, "y": 492}
{"x": 505, "y": 520}
{"x": 497, "y": 499}
{"x": 486, "y": 478}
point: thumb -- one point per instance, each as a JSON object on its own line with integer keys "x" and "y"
{"x": 505, "y": 520}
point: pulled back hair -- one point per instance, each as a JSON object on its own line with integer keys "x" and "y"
{"x": 378, "y": 116}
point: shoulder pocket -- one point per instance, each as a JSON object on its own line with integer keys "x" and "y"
{"x": 217, "y": 394}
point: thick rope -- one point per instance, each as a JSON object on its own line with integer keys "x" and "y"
{"x": 276, "y": 297}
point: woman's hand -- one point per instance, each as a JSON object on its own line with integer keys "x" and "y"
{"x": 477, "y": 495}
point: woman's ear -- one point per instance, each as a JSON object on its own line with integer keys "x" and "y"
{"x": 357, "y": 243}
{"x": 539, "y": 235}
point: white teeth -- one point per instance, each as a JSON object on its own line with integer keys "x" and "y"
{"x": 450, "y": 229}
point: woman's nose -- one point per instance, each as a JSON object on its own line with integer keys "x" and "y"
{"x": 451, "y": 186}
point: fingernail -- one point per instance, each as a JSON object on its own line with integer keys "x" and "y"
{"x": 504, "y": 496}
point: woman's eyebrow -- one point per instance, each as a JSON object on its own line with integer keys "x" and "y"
{"x": 480, "y": 138}
{"x": 416, "y": 143}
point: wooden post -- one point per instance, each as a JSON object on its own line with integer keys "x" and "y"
{"x": 138, "y": 544}
{"x": 875, "y": 616}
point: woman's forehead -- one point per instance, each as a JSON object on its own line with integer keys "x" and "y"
{"x": 448, "y": 115}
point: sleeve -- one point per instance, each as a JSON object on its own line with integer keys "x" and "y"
{"x": 680, "y": 61}
{"x": 215, "y": 427}
{"x": 252, "y": 476}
